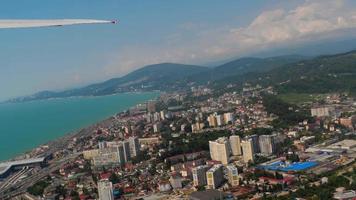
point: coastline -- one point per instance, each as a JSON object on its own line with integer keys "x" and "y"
{"x": 66, "y": 137}
{"x": 76, "y": 97}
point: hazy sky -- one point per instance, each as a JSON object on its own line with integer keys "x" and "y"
{"x": 152, "y": 31}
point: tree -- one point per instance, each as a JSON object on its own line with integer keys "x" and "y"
{"x": 114, "y": 178}
{"x": 201, "y": 188}
{"x": 38, "y": 188}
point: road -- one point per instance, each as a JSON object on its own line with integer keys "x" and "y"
{"x": 21, "y": 187}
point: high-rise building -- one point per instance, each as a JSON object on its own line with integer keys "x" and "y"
{"x": 220, "y": 150}
{"x": 267, "y": 144}
{"x": 102, "y": 145}
{"x": 123, "y": 147}
{"x": 233, "y": 175}
{"x": 134, "y": 146}
{"x": 105, "y": 190}
{"x": 176, "y": 181}
{"x": 228, "y": 118}
{"x": 197, "y": 127}
{"x": 235, "y": 145}
{"x": 149, "y": 117}
{"x": 212, "y": 121}
{"x": 219, "y": 120}
{"x": 255, "y": 143}
{"x": 163, "y": 114}
{"x": 322, "y": 111}
{"x": 126, "y": 147}
{"x": 157, "y": 127}
{"x": 247, "y": 150}
{"x": 215, "y": 176}
{"x": 110, "y": 156}
{"x": 199, "y": 175}
{"x": 128, "y": 129}
{"x": 156, "y": 117}
{"x": 151, "y": 106}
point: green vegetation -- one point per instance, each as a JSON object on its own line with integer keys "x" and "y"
{"x": 260, "y": 131}
{"x": 114, "y": 178}
{"x": 335, "y": 73}
{"x": 288, "y": 114}
{"x": 38, "y": 188}
{"x": 324, "y": 191}
{"x": 194, "y": 142}
{"x": 320, "y": 75}
{"x": 300, "y": 98}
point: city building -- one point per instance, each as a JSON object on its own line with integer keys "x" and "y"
{"x": 267, "y": 144}
{"x": 235, "y": 145}
{"x": 163, "y": 114}
{"x": 215, "y": 176}
{"x": 110, "y": 156}
{"x": 164, "y": 186}
{"x": 176, "y": 181}
{"x": 197, "y": 127}
{"x": 220, "y": 150}
{"x": 126, "y": 147}
{"x": 348, "y": 121}
{"x": 232, "y": 175}
{"x": 345, "y": 194}
{"x": 151, "y": 106}
{"x": 199, "y": 175}
{"x": 157, "y": 127}
{"x": 256, "y": 143}
{"x": 156, "y": 117}
{"x": 7, "y": 168}
{"x": 105, "y": 190}
{"x": 121, "y": 146}
{"x": 219, "y": 120}
{"x": 322, "y": 111}
{"x": 212, "y": 121}
{"x": 228, "y": 118}
{"x": 90, "y": 154}
{"x": 247, "y": 150}
{"x": 134, "y": 146}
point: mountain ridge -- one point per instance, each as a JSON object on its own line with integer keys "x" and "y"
{"x": 167, "y": 76}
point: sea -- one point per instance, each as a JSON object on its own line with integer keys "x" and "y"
{"x": 24, "y": 126}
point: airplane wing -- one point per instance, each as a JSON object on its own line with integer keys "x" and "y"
{"x": 5, "y": 23}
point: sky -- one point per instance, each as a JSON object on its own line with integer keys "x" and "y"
{"x": 149, "y": 32}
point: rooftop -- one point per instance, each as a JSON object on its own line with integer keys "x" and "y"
{"x": 344, "y": 144}
{"x": 215, "y": 167}
{"x": 283, "y": 166}
{"x": 5, "y": 166}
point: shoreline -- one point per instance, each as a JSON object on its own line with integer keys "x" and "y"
{"x": 62, "y": 140}
{"x": 9, "y": 101}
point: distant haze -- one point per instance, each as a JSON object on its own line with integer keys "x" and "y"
{"x": 185, "y": 31}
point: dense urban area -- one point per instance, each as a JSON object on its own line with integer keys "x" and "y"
{"x": 200, "y": 144}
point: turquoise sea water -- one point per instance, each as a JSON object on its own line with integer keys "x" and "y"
{"x": 24, "y": 126}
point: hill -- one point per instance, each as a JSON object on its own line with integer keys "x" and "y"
{"x": 250, "y": 64}
{"x": 243, "y": 66}
{"x": 335, "y": 73}
{"x": 151, "y": 77}
{"x": 168, "y": 77}
{"x": 323, "y": 74}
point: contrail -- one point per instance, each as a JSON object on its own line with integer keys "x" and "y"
{"x": 19, "y": 23}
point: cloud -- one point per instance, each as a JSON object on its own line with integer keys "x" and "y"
{"x": 310, "y": 21}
